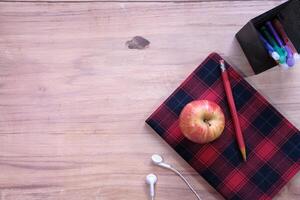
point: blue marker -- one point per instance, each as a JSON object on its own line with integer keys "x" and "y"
{"x": 281, "y": 51}
{"x": 269, "y": 48}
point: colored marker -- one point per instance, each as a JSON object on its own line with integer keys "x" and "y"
{"x": 285, "y": 38}
{"x": 290, "y": 59}
{"x": 282, "y": 53}
{"x": 276, "y": 36}
{"x": 269, "y": 48}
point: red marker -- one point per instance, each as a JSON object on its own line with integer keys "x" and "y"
{"x": 284, "y": 36}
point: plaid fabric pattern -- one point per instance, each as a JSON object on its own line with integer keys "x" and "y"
{"x": 272, "y": 142}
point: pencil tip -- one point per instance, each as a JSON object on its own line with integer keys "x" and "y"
{"x": 243, "y": 151}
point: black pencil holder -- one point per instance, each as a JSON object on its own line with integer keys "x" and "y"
{"x": 248, "y": 36}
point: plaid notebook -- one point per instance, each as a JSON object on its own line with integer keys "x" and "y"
{"x": 273, "y": 143}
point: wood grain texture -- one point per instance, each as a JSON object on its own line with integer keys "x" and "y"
{"x": 73, "y": 97}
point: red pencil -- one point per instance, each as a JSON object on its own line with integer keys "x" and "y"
{"x": 232, "y": 108}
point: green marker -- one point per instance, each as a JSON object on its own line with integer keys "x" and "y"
{"x": 282, "y": 53}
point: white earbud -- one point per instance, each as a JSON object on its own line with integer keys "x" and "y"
{"x": 158, "y": 160}
{"x": 151, "y": 180}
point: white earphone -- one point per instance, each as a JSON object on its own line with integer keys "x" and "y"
{"x": 151, "y": 180}
{"x": 159, "y": 161}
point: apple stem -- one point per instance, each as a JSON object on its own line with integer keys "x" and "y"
{"x": 207, "y": 122}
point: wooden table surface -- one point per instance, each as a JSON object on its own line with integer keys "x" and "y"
{"x": 74, "y": 97}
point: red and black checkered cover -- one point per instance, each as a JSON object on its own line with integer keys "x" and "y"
{"x": 272, "y": 142}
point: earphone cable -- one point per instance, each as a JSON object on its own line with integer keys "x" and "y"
{"x": 185, "y": 180}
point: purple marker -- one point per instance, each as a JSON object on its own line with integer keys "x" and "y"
{"x": 290, "y": 57}
{"x": 271, "y": 28}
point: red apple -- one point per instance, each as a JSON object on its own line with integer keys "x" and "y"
{"x": 202, "y": 121}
